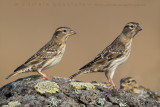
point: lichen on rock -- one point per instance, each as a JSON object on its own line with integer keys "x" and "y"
{"x": 106, "y": 86}
{"x": 60, "y": 92}
{"x": 101, "y": 101}
{"x": 82, "y": 85}
{"x": 46, "y": 87}
{"x": 27, "y": 79}
{"x": 12, "y": 104}
{"x": 54, "y": 102}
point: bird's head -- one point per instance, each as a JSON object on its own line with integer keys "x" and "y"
{"x": 131, "y": 29}
{"x": 128, "y": 83}
{"x": 62, "y": 33}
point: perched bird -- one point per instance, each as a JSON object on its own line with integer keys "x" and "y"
{"x": 129, "y": 84}
{"x": 49, "y": 55}
{"x": 113, "y": 55}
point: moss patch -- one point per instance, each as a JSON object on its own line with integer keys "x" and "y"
{"x": 46, "y": 87}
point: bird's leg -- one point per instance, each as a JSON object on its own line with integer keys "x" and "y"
{"x": 108, "y": 78}
{"x": 109, "y": 81}
{"x": 44, "y": 76}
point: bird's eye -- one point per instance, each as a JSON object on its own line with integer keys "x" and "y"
{"x": 64, "y": 31}
{"x": 129, "y": 81}
{"x": 132, "y": 26}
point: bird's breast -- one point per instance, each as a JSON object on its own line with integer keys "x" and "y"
{"x": 115, "y": 63}
{"x": 123, "y": 58}
{"x": 55, "y": 59}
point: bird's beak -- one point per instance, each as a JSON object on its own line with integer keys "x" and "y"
{"x": 71, "y": 33}
{"x": 138, "y": 28}
{"x": 123, "y": 85}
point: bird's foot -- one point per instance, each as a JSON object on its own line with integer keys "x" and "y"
{"x": 108, "y": 84}
{"x": 71, "y": 79}
{"x": 68, "y": 79}
{"x": 111, "y": 85}
{"x": 115, "y": 88}
{"x": 46, "y": 77}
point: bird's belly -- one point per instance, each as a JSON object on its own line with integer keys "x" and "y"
{"x": 121, "y": 60}
{"x": 55, "y": 59}
{"x": 52, "y": 62}
{"x": 114, "y": 64}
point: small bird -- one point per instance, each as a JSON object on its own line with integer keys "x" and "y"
{"x": 49, "y": 55}
{"x": 113, "y": 55}
{"x": 129, "y": 84}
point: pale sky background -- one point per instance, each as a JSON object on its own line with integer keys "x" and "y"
{"x": 26, "y": 25}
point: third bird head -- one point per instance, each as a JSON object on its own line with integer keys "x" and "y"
{"x": 128, "y": 83}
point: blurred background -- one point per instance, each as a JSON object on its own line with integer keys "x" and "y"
{"x": 26, "y": 25}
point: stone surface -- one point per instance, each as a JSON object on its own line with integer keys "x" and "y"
{"x": 60, "y": 92}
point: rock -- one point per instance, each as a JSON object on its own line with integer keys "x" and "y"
{"x": 60, "y": 92}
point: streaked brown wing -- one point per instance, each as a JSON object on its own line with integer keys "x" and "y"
{"x": 47, "y": 51}
{"x": 113, "y": 51}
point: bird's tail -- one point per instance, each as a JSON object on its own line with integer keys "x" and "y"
{"x": 19, "y": 70}
{"x": 79, "y": 73}
{"x": 13, "y": 74}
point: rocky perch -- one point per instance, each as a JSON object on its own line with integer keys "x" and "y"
{"x": 60, "y": 92}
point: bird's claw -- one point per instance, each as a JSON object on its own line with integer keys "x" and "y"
{"x": 46, "y": 77}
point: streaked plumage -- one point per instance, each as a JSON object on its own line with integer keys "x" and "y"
{"x": 113, "y": 55}
{"x": 129, "y": 84}
{"x": 49, "y": 55}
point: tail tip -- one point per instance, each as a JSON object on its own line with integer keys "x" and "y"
{"x": 10, "y": 75}
{"x": 72, "y": 76}
{"x": 7, "y": 77}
